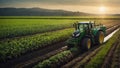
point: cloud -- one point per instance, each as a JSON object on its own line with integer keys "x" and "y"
{"x": 64, "y": 2}
{"x": 76, "y": 5}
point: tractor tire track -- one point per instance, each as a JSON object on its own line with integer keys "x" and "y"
{"x": 81, "y": 57}
{"x": 112, "y": 60}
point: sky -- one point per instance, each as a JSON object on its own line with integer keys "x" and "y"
{"x": 88, "y": 6}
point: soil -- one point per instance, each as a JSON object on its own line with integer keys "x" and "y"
{"x": 112, "y": 60}
{"x": 32, "y": 58}
{"x": 85, "y": 58}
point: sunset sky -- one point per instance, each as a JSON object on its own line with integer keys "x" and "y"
{"x": 88, "y": 6}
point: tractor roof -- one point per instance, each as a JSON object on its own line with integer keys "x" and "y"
{"x": 86, "y": 22}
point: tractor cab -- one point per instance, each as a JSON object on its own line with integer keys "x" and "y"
{"x": 82, "y": 27}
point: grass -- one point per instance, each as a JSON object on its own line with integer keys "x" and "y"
{"x": 97, "y": 60}
{"x": 15, "y": 47}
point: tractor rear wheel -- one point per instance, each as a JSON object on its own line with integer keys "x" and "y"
{"x": 86, "y": 44}
{"x": 100, "y": 37}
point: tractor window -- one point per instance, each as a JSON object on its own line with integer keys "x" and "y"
{"x": 92, "y": 25}
{"x": 85, "y": 25}
{"x": 81, "y": 26}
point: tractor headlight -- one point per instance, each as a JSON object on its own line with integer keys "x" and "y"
{"x": 76, "y": 34}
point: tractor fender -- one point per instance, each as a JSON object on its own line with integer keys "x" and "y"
{"x": 102, "y": 31}
{"x": 97, "y": 36}
{"x": 97, "y": 31}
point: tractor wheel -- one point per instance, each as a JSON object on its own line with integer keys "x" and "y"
{"x": 100, "y": 37}
{"x": 86, "y": 44}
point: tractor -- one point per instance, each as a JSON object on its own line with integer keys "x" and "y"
{"x": 87, "y": 34}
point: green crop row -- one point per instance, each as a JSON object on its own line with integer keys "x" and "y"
{"x": 15, "y": 47}
{"x": 10, "y": 28}
{"x": 53, "y": 60}
{"x": 97, "y": 60}
{"x": 116, "y": 56}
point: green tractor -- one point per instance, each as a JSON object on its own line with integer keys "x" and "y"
{"x": 87, "y": 34}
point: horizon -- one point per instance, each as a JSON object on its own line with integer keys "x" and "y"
{"x": 93, "y": 6}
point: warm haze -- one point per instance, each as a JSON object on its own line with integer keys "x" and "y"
{"x": 88, "y": 6}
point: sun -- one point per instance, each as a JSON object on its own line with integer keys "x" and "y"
{"x": 102, "y": 9}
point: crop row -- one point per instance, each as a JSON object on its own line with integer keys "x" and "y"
{"x": 98, "y": 59}
{"x": 15, "y": 47}
{"x": 10, "y": 28}
{"x": 116, "y": 57}
{"x": 56, "y": 59}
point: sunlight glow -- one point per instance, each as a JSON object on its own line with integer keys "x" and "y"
{"x": 102, "y": 9}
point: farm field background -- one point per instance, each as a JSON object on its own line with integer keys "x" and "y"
{"x": 20, "y": 27}
{"x": 19, "y": 35}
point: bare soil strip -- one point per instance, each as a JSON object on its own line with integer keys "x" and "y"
{"x": 32, "y": 62}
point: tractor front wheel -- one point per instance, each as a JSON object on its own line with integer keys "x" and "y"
{"x": 86, "y": 44}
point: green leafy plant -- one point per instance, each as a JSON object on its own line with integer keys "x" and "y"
{"x": 53, "y": 60}
{"x": 15, "y": 47}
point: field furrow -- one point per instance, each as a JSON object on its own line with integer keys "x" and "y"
{"x": 24, "y": 44}
{"x": 39, "y": 54}
{"x": 68, "y": 60}
{"x": 99, "y": 59}
{"x": 82, "y": 60}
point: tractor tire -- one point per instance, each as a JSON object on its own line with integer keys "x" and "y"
{"x": 100, "y": 37}
{"x": 86, "y": 44}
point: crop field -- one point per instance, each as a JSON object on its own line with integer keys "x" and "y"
{"x": 40, "y": 42}
{"x": 21, "y": 27}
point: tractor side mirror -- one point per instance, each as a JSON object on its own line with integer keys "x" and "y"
{"x": 75, "y": 25}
